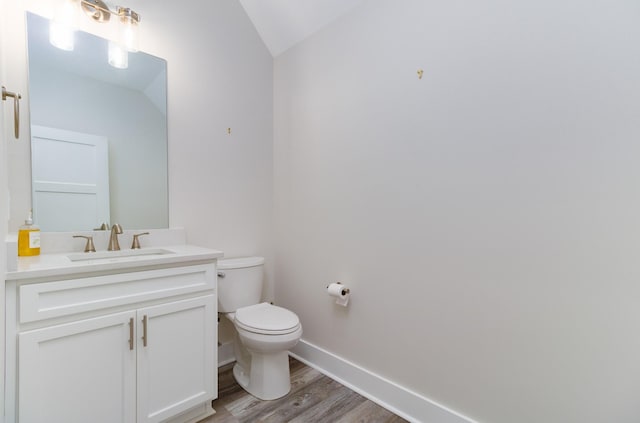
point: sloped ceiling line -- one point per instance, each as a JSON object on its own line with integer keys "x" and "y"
{"x": 283, "y": 23}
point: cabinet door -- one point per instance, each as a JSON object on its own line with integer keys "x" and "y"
{"x": 78, "y": 372}
{"x": 176, "y": 357}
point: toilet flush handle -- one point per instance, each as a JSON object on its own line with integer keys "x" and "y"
{"x": 221, "y": 274}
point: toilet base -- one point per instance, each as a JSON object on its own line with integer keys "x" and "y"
{"x": 269, "y": 376}
{"x": 262, "y": 361}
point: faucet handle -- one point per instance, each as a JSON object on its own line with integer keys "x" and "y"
{"x": 89, "y": 247}
{"x": 136, "y": 241}
{"x": 103, "y": 227}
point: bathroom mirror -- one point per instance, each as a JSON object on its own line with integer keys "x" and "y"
{"x": 77, "y": 96}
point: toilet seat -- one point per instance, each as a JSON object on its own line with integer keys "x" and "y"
{"x": 266, "y": 319}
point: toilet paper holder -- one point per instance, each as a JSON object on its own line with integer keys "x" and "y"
{"x": 345, "y": 291}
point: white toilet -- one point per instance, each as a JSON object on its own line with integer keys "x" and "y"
{"x": 264, "y": 332}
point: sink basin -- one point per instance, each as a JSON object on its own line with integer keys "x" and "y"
{"x": 118, "y": 254}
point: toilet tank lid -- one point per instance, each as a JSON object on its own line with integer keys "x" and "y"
{"x": 240, "y": 262}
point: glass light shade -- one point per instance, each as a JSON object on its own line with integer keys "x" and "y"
{"x": 129, "y": 29}
{"x": 118, "y": 56}
{"x": 129, "y": 36}
{"x": 63, "y": 25}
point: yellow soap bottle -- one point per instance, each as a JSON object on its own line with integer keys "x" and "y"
{"x": 28, "y": 238}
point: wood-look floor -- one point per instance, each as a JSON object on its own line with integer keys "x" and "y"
{"x": 314, "y": 398}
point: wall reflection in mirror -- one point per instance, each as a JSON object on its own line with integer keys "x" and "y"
{"x": 99, "y": 135}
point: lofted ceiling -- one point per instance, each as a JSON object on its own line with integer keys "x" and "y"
{"x": 284, "y": 23}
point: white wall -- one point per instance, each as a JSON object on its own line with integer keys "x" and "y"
{"x": 485, "y": 217}
{"x": 220, "y": 76}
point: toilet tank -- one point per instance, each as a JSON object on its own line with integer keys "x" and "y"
{"x": 239, "y": 282}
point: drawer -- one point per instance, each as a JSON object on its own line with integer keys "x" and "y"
{"x": 55, "y": 299}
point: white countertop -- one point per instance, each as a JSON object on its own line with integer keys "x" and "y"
{"x": 49, "y": 265}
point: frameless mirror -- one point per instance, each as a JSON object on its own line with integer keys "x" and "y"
{"x": 99, "y": 135}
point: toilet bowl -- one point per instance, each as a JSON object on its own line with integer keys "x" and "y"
{"x": 263, "y": 332}
{"x": 264, "y": 372}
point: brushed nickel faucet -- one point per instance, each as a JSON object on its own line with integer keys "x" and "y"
{"x": 116, "y": 230}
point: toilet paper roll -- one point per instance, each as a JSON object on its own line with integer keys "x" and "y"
{"x": 340, "y": 292}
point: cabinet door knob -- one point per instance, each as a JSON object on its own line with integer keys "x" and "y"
{"x": 144, "y": 330}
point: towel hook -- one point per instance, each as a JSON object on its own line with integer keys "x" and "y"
{"x": 16, "y": 109}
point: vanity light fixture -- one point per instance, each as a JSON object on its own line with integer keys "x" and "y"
{"x": 63, "y": 26}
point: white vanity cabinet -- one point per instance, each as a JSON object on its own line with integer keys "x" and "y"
{"x": 119, "y": 346}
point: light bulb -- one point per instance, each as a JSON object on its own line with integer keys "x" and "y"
{"x": 63, "y": 25}
{"x": 118, "y": 56}
{"x": 61, "y": 36}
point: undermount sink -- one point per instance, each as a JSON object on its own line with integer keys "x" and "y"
{"x": 118, "y": 254}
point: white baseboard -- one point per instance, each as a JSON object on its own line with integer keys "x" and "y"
{"x": 400, "y": 401}
{"x": 225, "y": 354}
